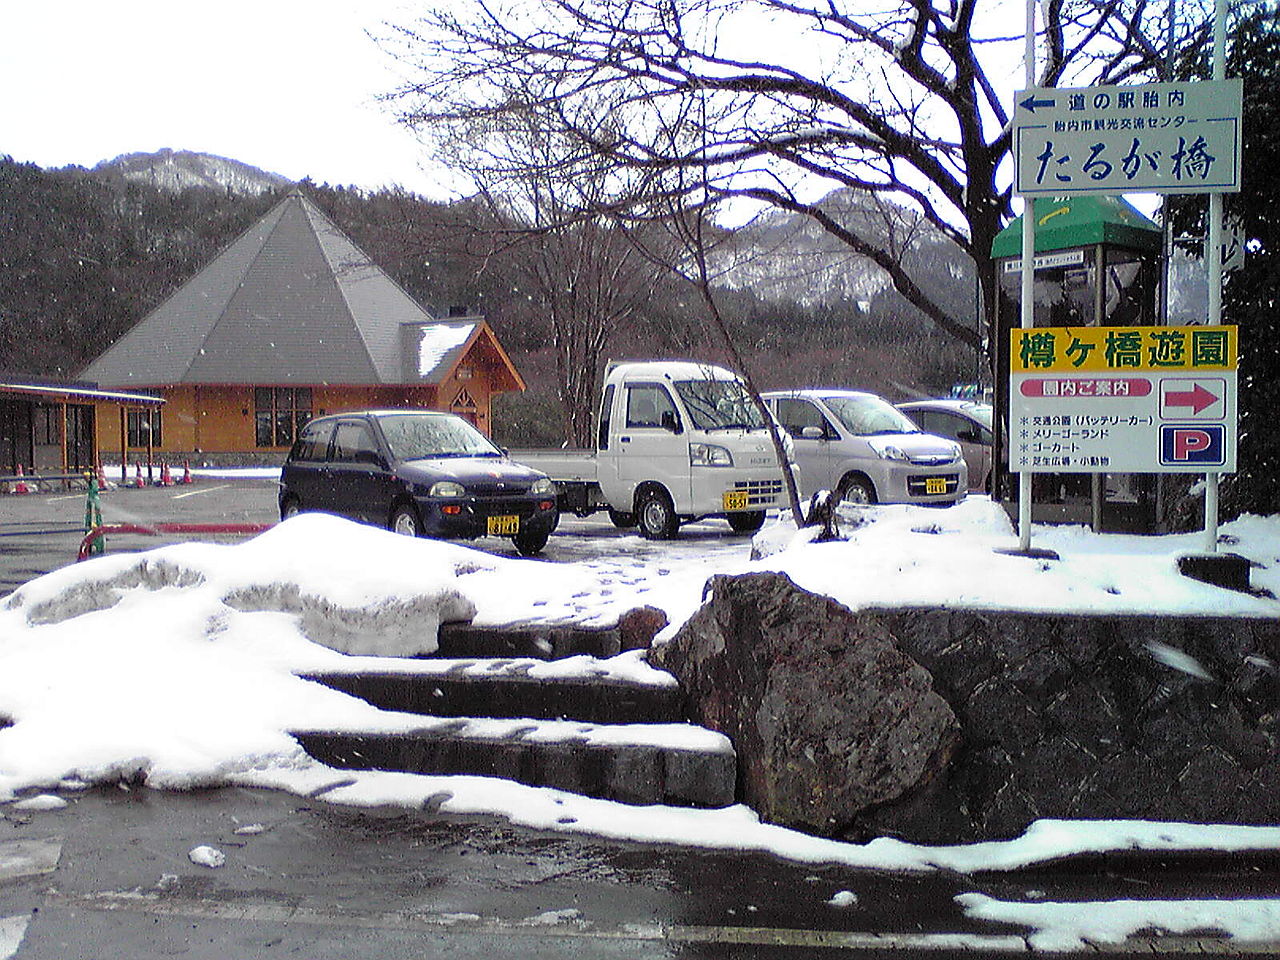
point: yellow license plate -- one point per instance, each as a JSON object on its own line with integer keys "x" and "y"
{"x": 935, "y": 485}
{"x": 504, "y": 525}
{"x": 735, "y": 499}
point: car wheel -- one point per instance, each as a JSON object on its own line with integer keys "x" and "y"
{"x": 290, "y": 508}
{"x": 622, "y": 520}
{"x": 746, "y": 522}
{"x": 404, "y": 520}
{"x": 857, "y": 490}
{"x": 530, "y": 542}
{"x": 657, "y": 516}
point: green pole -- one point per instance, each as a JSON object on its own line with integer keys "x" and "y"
{"x": 93, "y": 516}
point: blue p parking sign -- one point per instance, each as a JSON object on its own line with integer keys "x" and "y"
{"x": 1185, "y": 444}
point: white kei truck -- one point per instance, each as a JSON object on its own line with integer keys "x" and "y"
{"x": 677, "y": 441}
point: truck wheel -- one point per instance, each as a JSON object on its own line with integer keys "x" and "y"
{"x": 404, "y": 519}
{"x": 529, "y": 542}
{"x": 746, "y": 522}
{"x": 657, "y": 516}
{"x": 290, "y": 508}
{"x": 854, "y": 489}
{"x": 622, "y": 520}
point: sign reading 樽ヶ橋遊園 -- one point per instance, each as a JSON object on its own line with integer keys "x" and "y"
{"x": 1123, "y": 399}
{"x": 1148, "y": 138}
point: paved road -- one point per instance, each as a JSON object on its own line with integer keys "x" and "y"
{"x": 42, "y": 531}
{"x": 318, "y": 881}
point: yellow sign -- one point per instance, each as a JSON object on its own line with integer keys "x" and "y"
{"x": 1122, "y": 349}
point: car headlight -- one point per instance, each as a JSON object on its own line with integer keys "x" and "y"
{"x": 542, "y": 487}
{"x": 709, "y": 455}
{"x": 447, "y": 488}
{"x": 890, "y": 452}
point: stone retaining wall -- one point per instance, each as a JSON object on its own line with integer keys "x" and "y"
{"x": 1054, "y": 716}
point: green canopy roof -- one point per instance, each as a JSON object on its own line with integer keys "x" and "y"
{"x": 1064, "y": 222}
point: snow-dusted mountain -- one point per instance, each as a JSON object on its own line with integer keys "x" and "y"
{"x": 787, "y": 257}
{"x": 176, "y": 170}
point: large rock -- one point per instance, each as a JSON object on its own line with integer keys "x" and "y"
{"x": 828, "y": 717}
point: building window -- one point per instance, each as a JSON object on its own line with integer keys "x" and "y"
{"x": 279, "y": 413}
{"x": 46, "y": 431}
{"x": 143, "y": 427}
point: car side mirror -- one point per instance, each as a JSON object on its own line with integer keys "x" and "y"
{"x": 813, "y": 433}
{"x": 670, "y": 421}
{"x": 967, "y": 435}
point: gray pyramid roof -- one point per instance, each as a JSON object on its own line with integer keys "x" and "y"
{"x": 293, "y": 300}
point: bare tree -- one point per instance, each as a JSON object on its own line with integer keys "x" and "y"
{"x": 907, "y": 99}
{"x": 551, "y": 219}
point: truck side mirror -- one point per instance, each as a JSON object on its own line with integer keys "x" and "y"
{"x": 813, "y": 433}
{"x": 670, "y": 421}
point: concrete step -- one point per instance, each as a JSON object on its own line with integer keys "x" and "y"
{"x": 602, "y": 728}
{"x": 538, "y": 641}
{"x": 636, "y": 764}
{"x": 511, "y": 693}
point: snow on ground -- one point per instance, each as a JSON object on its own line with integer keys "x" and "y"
{"x": 179, "y": 664}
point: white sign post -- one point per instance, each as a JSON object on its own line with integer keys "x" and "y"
{"x": 1170, "y": 138}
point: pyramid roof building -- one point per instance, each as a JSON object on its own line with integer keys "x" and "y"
{"x": 293, "y": 300}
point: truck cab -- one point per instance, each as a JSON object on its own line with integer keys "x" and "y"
{"x": 679, "y": 441}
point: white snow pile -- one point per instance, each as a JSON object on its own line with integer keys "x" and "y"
{"x": 179, "y": 667}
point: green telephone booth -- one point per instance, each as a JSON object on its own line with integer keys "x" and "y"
{"x": 1099, "y": 263}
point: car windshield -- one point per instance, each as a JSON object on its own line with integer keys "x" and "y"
{"x": 867, "y": 415}
{"x": 423, "y": 436}
{"x": 719, "y": 405}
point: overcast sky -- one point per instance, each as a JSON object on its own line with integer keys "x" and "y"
{"x": 286, "y": 85}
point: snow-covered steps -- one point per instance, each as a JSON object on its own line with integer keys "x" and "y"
{"x": 538, "y": 641}
{"x": 603, "y": 728}
{"x": 617, "y": 690}
{"x": 675, "y": 764}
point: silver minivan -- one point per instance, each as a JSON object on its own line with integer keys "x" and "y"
{"x": 862, "y": 446}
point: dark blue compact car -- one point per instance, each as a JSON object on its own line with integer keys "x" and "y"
{"x": 420, "y": 473}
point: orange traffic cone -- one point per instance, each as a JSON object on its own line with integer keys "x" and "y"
{"x": 137, "y": 477}
{"x": 186, "y": 472}
{"x": 101, "y": 476}
{"x": 166, "y": 479}
{"x": 21, "y": 486}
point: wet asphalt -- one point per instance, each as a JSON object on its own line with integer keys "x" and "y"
{"x": 303, "y": 878}
{"x": 311, "y": 879}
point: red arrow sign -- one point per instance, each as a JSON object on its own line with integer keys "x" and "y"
{"x": 1197, "y": 398}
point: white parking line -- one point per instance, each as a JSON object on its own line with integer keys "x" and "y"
{"x": 192, "y": 493}
{"x": 28, "y": 858}
{"x": 12, "y": 930}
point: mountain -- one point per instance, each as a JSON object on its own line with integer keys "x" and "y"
{"x": 789, "y": 258}
{"x": 174, "y": 170}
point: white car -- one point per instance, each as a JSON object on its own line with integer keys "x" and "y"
{"x": 860, "y": 445}
{"x": 964, "y": 421}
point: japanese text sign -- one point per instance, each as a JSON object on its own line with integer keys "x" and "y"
{"x": 1123, "y": 399}
{"x": 1149, "y": 138}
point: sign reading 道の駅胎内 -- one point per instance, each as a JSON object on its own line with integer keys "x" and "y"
{"x": 1148, "y": 138}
